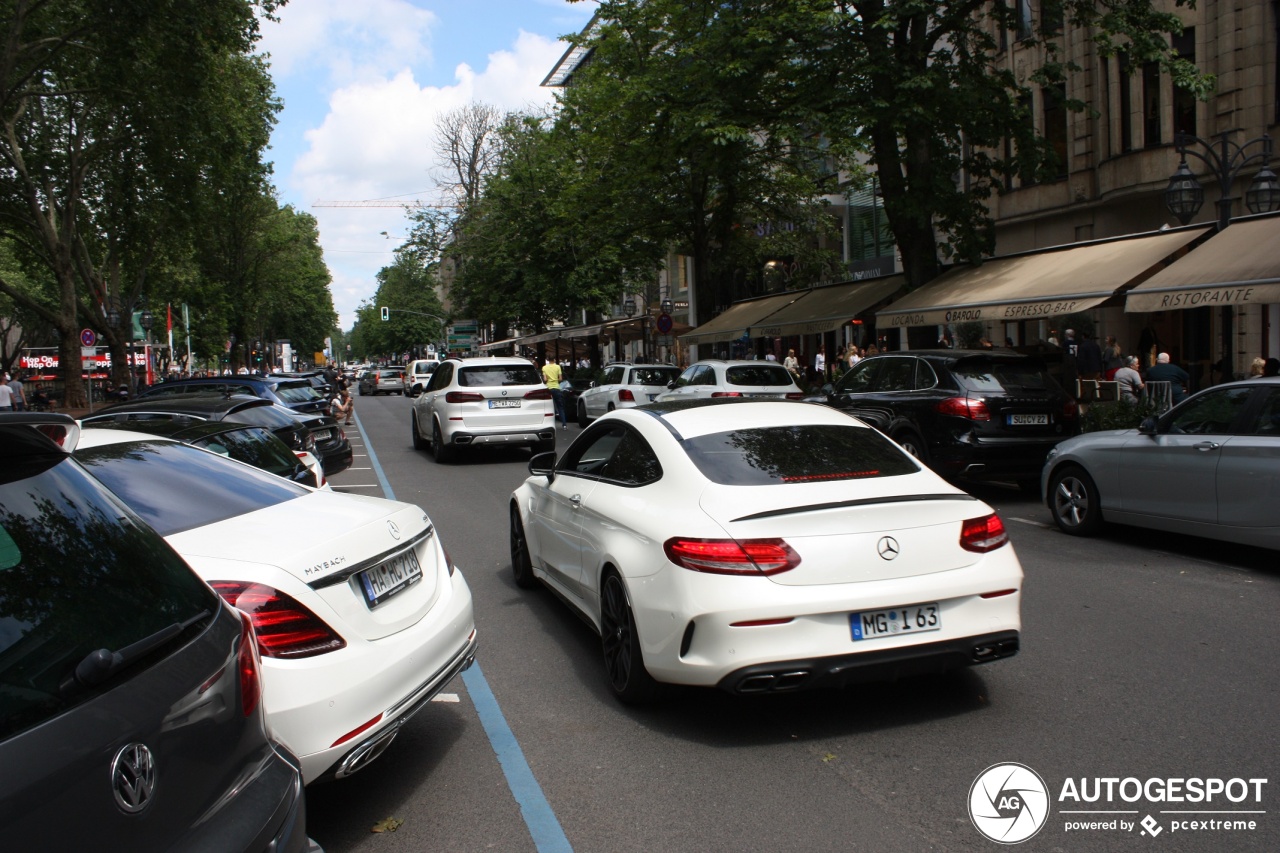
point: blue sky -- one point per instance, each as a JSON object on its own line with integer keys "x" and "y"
{"x": 362, "y": 85}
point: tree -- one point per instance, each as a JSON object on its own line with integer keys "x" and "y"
{"x": 407, "y": 289}
{"x": 107, "y": 114}
{"x": 470, "y": 145}
{"x": 914, "y": 86}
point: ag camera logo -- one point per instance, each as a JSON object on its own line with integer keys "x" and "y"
{"x": 1008, "y": 803}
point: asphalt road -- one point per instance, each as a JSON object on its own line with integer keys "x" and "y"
{"x": 1144, "y": 656}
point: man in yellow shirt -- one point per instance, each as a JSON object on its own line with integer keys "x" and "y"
{"x": 552, "y": 375}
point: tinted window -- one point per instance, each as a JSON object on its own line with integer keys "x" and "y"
{"x": 860, "y": 378}
{"x": 615, "y": 453}
{"x": 796, "y": 454}
{"x": 1268, "y": 420}
{"x": 175, "y": 487}
{"x": 653, "y": 375}
{"x": 263, "y": 416}
{"x": 489, "y": 376}
{"x": 994, "y": 376}
{"x": 77, "y": 574}
{"x": 896, "y": 374}
{"x": 441, "y": 378}
{"x": 255, "y": 447}
{"x": 765, "y": 373}
{"x": 166, "y": 390}
{"x": 297, "y": 392}
{"x": 1211, "y": 413}
{"x": 613, "y": 375}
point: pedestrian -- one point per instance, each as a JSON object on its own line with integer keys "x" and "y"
{"x": 6, "y": 395}
{"x": 344, "y": 406}
{"x": 1112, "y": 358}
{"x": 553, "y": 375}
{"x": 19, "y": 393}
{"x": 1165, "y": 371}
{"x": 854, "y": 357}
{"x": 1255, "y": 369}
{"x": 1129, "y": 380}
{"x": 792, "y": 364}
{"x": 1271, "y": 367}
{"x": 1089, "y": 358}
{"x": 820, "y": 364}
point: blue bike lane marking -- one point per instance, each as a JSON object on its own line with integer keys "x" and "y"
{"x": 544, "y": 826}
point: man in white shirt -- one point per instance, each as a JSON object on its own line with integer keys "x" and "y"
{"x": 6, "y": 397}
{"x": 820, "y": 365}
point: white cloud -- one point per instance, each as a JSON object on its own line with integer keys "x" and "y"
{"x": 377, "y": 141}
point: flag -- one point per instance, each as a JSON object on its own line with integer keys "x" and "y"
{"x": 168, "y": 310}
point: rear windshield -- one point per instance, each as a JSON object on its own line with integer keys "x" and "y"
{"x": 762, "y": 374}
{"x": 797, "y": 454}
{"x": 654, "y": 375}
{"x": 489, "y": 376}
{"x": 175, "y": 487}
{"x": 297, "y": 392}
{"x": 996, "y": 376}
{"x": 77, "y": 574}
{"x": 253, "y": 446}
{"x": 271, "y": 417}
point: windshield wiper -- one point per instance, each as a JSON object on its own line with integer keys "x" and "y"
{"x": 100, "y": 664}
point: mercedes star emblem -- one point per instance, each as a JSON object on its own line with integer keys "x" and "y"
{"x": 133, "y": 778}
{"x": 887, "y": 547}
{"x": 395, "y": 531}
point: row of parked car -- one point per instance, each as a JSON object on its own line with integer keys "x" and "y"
{"x": 175, "y": 667}
{"x": 970, "y": 415}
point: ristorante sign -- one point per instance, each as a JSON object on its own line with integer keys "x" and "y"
{"x": 1203, "y": 296}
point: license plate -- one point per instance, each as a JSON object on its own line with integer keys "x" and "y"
{"x": 896, "y": 621}
{"x": 322, "y": 435}
{"x": 1028, "y": 420}
{"x": 504, "y": 404}
{"x": 652, "y": 397}
{"x": 385, "y": 580}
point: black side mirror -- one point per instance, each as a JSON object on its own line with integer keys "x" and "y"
{"x": 1148, "y": 425}
{"x": 543, "y": 465}
{"x": 828, "y": 389}
{"x": 672, "y": 385}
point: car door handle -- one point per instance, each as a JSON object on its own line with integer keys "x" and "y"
{"x": 575, "y": 501}
{"x": 1206, "y": 446}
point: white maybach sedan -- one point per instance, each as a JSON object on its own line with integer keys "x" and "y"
{"x": 761, "y": 547}
{"x": 361, "y": 616}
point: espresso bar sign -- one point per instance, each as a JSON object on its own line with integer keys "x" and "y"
{"x": 981, "y": 313}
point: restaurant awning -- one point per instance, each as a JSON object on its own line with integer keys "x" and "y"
{"x": 503, "y": 344}
{"x": 829, "y": 307}
{"x": 738, "y": 318}
{"x": 1037, "y": 285}
{"x": 1237, "y": 266}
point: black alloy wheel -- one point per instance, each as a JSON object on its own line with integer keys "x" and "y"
{"x": 1074, "y": 502}
{"x": 419, "y": 443}
{"x": 442, "y": 452}
{"x": 913, "y": 444}
{"x": 623, "y": 661}
{"x": 521, "y": 562}
{"x": 582, "y": 415}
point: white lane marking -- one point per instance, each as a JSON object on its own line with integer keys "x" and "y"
{"x": 445, "y": 697}
{"x": 1033, "y": 522}
{"x": 354, "y": 486}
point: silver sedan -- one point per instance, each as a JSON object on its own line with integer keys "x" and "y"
{"x": 1209, "y": 467}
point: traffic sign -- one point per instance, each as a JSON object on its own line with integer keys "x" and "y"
{"x": 88, "y": 337}
{"x": 664, "y": 323}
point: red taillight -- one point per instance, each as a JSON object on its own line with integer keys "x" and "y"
{"x": 760, "y": 623}
{"x": 463, "y": 397}
{"x": 795, "y": 395}
{"x": 726, "y": 393}
{"x": 539, "y": 394}
{"x": 625, "y": 396}
{"x": 358, "y": 730}
{"x": 375, "y": 379}
{"x": 732, "y": 556}
{"x": 247, "y": 665}
{"x": 964, "y": 407}
{"x": 983, "y": 534}
{"x": 1070, "y": 410}
{"x": 284, "y": 628}
{"x": 1000, "y": 593}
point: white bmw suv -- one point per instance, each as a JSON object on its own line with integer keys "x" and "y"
{"x": 624, "y": 385}
{"x": 719, "y": 378}
{"x": 483, "y": 401}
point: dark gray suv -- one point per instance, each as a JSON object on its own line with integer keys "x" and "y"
{"x": 130, "y": 695}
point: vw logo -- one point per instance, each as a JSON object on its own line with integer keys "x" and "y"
{"x": 887, "y": 547}
{"x": 133, "y": 778}
{"x": 395, "y": 531}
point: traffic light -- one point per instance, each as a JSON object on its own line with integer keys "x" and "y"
{"x": 386, "y": 313}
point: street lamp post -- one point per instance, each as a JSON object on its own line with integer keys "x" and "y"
{"x": 1225, "y": 160}
{"x": 629, "y": 308}
{"x": 146, "y": 320}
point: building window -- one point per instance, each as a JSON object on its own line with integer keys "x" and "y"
{"x": 869, "y": 235}
{"x": 1051, "y": 17}
{"x": 1024, "y": 20}
{"x": 1184, "y": 103}
{"x": 1027, "y": 171}
{"x": 1126, "y": 103}
{"x": 1002, "y": 33}
{"x": 1151, "y": 105}
{"x": 1055, "y": 126}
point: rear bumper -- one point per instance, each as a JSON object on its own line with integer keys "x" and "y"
{"x": 882, "y": 665}
{"x": 462, "y": 438}
{"x": 336, "y": 460}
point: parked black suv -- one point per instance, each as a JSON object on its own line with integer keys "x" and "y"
{"x": 130, "y": 694}
{"x": 976, "y": 414}
{"x": 296, "y": 394}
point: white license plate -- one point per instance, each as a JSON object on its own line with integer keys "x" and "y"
{"x": 385, "y": 580}
{"x": 896, "y": 621}
{"x": 504, "y": 404}
{"x": 1028, "y": 420}
{"x": 323, "y": 435}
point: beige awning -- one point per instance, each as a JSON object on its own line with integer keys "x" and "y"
{"x": 1237, "y": 266}
{"x": 1038, "y": 285}
{"x": 828, "y": 308}
{"x": 503, "y": 344}
{"x": 738, "y": 318}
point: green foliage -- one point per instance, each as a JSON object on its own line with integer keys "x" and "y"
{"x": 408, "y": 288}
{"x": 1117, "y": 414}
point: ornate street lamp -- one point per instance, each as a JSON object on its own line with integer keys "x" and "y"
{"x": 1225, "y": 160}
{"x": 1263, "y": 195}
{"x": 1184, "y": 195}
